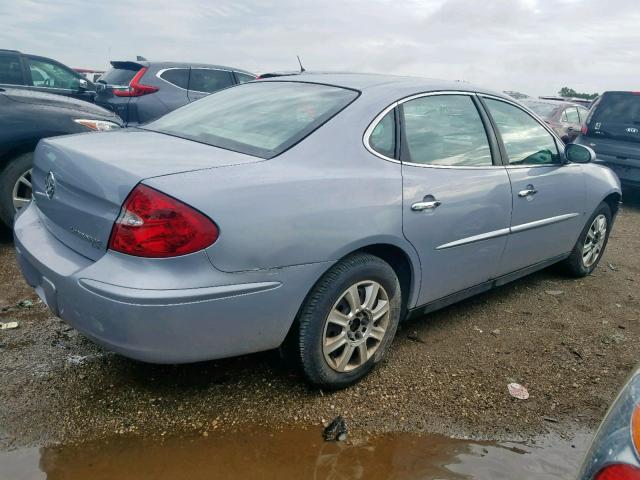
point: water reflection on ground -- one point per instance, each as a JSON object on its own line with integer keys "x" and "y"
{"x": 296, "y": 454}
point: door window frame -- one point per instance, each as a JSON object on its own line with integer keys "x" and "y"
{"x": 401, "y": 145}
{"x": 503, "y": 151}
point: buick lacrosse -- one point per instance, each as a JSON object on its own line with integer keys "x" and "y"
{"x": 311, "y": 212}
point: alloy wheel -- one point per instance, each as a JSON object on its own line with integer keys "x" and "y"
{"x": 356, "y": 326}
{"x": 594, "y": 241}
{"x": 22, "y": 191}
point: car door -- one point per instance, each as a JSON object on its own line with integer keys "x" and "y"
{"x": 204, "y": 81}
{"x": 456, "y": 195}
{"x": 571, "y": 122}
{"x": 49, "y": 76}
{"x": 11, "y": 69}
{"x": 548, "y": 194}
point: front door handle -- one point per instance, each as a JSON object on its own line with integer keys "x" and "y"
{"x": 430, "y": 205}
{"x": 527, "y": 192}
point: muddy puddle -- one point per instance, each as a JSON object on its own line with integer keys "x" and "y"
{"x": 297, "y": 454}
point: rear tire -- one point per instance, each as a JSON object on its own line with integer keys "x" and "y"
{"x": 14, "y": 170}
{"x": 589, "y": 248}
{"x": 348, "y": 321}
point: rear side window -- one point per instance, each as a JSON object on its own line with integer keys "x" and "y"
{"x": 570, "y": 115}
{"x": 525, "y": 140}
{"x": 121, "y": 76}
{"x": 261, "y": 119}
{"x": 445, "y": 130}
{"x": 177, "y": 76}
{"x": 383, "y": 136}
{"x": 10, "y": 69}
{"x": 618, "y": 108}
{"x": 243, "y": 77}
{"x": 208, "y": 80}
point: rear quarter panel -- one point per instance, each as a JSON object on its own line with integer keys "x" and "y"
{"x": 316, "y": 202}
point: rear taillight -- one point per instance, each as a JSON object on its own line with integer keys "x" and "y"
{"x": 152, "y": 224}
{"x": 635, "y": 428}
{"x": 585, "y": 130}
{"x": 618, "y": 471}
{"x": 135, "y": 88}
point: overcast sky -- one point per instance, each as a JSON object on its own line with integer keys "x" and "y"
{"x": 534, "y": 46}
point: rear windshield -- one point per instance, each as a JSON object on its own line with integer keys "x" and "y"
{"x": 119, "y": 76}
{"x": 618, "y": 108}
{"x": 544, "y": 110}
{"x": 260, "y": 119}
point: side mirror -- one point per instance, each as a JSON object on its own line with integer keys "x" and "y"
{"x": 82, "y": 85}
{"x": 576, "y": 153}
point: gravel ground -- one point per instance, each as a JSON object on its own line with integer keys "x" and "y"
{"x": 570, "y": 342}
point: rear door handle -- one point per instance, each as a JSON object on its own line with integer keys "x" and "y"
{"x": 430, "y": 205}
{"x": 527, "y": 192}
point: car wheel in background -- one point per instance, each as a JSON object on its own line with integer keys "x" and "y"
{"x": 348, "y": 321}
{"x": 590, "y": 246}
{"x": 15, "y": 186}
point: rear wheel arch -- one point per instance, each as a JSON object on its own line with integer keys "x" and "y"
{"x": 402, "y": 266}
{"x": 400, "y": 261}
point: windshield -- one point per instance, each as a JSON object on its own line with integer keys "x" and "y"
{"x": 544, "y": 110}
{"x": 261, "y": 119}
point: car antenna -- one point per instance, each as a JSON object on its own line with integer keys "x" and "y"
{"x": 300, "y": 63}
{"x": 140, "y": 58}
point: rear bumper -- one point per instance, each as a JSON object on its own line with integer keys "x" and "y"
{"x": 186, "y": 321}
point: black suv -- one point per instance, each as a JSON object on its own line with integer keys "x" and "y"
{"x": 613, "y": 131}
{"x": 28, "y": 116}
{"x": 140, "y": 91}
{"x": 31, "y": 72}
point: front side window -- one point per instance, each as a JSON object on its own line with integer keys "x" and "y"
{"x": 525, "y": 140}
{"x": 261, "y": 118}
{"x": 445, "y": 130}
{"x": 383, "y": 136}
{"x": 10, "y": 69}
{"x": 209, "y": 80}
{"x": 176, "y": 76}
{"x": 51, "y": 75}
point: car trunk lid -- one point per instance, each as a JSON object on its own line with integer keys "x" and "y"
{"x": 81, "y": 181}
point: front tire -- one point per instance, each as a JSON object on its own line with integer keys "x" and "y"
{"x": 348, "y": 321}
{"x": 590, "y": 246}
{"x": 15, "y": 187}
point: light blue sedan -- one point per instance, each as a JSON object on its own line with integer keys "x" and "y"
{"x": 310, "y": 211}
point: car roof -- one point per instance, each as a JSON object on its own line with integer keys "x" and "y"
{"x": 147, "y": 63}
{"x": 376, "y": 82}
{"x": 558, "y": 103}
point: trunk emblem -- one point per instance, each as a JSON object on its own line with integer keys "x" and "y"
{"x": 50, "y": 185}
{"x": 632, "y": 130}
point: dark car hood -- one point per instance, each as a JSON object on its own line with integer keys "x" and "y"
{"x": 51, "y": 100}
